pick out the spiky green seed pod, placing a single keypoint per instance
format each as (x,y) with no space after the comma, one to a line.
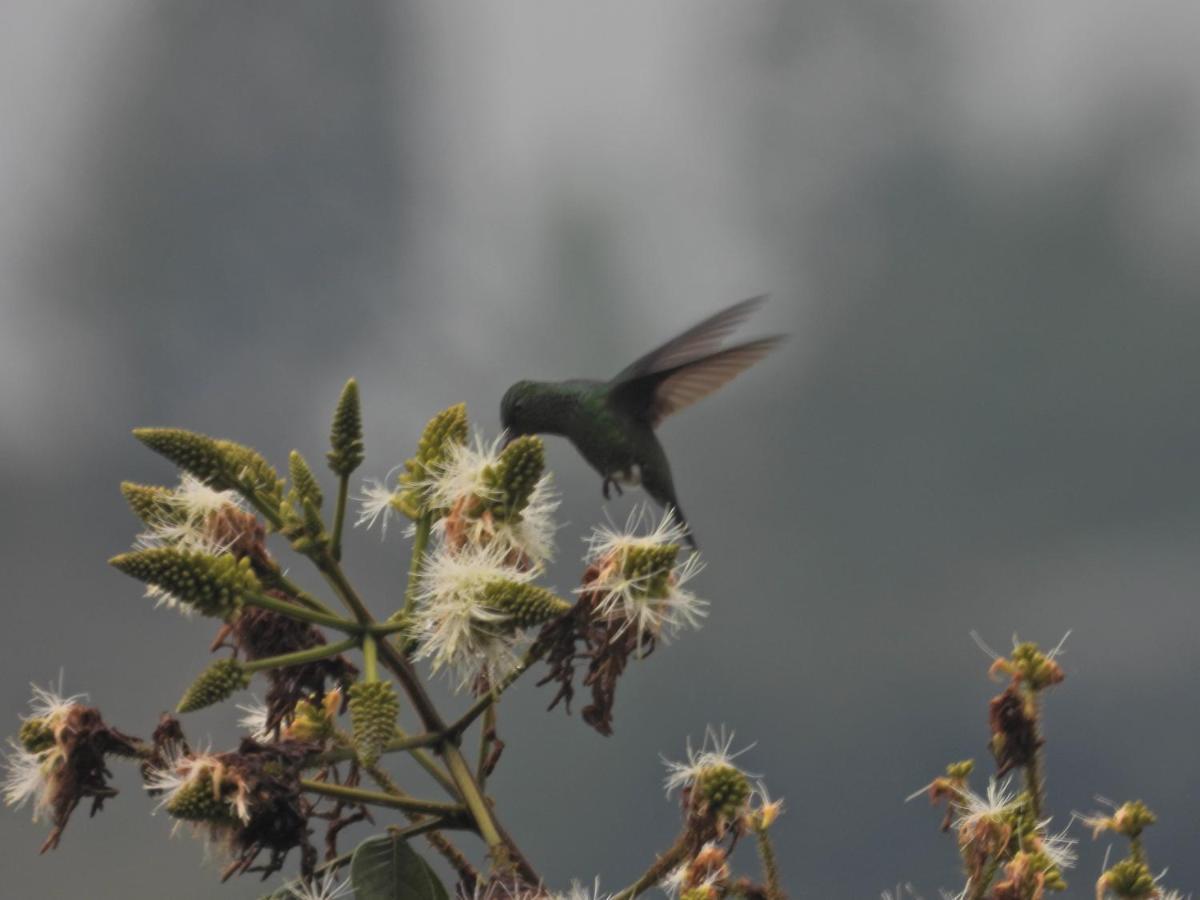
(1130,880)
(36,735)
(304,483)
(1040,862)
(373,711)
(346,433)
(149,502)
(213,585)
(218,682)
(527,605)
(724,790)
(650,568)
(444,432)
(198,801)
(516,474)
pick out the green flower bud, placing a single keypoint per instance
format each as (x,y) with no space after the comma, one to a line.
(724,790)
(442,434)
(650,567)
(218,682)
(150,503)
(304,483)
(346,433)
(516,474)
(223,465)
(198,800)
(960,771)
(527,604)
(213,585)
(36,735)
(373,711)
(1130,880)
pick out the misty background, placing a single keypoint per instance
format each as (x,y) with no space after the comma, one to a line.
(978,222)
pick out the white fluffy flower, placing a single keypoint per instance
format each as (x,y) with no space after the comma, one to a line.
(654,602)
(327,888)
(461,486)
(713,753)
(972,808)
(378,503)
(254,719)
(186,521)
(455,628)
(1059,848)
(27,776)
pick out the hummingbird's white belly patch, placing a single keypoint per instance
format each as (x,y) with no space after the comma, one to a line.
(631,477)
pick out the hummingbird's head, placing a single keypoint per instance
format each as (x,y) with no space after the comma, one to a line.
(519,410)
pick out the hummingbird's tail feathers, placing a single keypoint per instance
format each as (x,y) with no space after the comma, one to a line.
(698,341)
(695,380)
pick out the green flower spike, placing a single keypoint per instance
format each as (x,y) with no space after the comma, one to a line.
(149,502)
(198,800)
(442,434)
(373,711)
(223,465)
(516,475)
(218,682)
(346,434)
(724,790)
(36,736)
(304,483)
(649,568)
(527,605)
(1129,879)
(212,585)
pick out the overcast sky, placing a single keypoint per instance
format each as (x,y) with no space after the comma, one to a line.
(977,221)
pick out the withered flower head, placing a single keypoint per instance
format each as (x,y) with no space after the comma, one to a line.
(60,759)
(1015,740)
(243,803)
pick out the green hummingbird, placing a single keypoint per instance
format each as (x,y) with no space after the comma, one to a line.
(611,423)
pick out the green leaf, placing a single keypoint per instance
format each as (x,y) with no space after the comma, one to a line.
(386,868)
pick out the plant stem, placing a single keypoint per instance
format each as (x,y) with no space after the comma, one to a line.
(408,742)
(1034,781)
(485,741)
(303,613)
(485,702)
(374,798)
(766,852)
(290,587)
(370,658)
(312,654)
(424,526)
(656,872)
(339,517)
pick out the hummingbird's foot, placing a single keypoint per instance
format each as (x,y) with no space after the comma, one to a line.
(609,483)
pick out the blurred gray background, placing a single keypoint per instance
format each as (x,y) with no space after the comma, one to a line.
(979,222)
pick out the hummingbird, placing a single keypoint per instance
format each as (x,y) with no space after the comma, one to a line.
(611,423)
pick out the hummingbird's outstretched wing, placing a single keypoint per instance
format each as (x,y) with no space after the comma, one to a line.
(690,366)
(699,340)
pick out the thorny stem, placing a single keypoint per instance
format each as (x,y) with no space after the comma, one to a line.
(979,891)
(766,852)
(359,795)
(662,866)
(312,654)
(339,517)
(295,611)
